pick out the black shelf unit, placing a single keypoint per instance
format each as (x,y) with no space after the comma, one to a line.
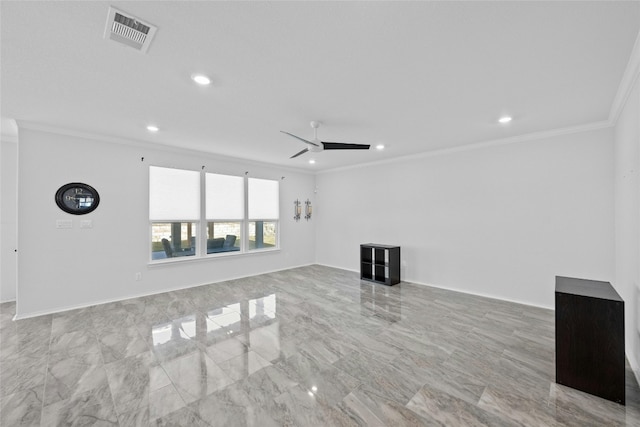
(380,263)
(590,338)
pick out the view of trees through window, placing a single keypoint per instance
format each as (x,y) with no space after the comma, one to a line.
(262,234)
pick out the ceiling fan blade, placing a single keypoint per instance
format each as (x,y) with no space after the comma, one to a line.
(299,154)
(344,146)
(301,139)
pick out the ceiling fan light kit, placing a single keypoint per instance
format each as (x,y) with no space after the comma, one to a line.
(316,145)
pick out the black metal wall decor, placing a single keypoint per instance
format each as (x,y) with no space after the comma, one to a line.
(297,209)
(308,210)
(77,198)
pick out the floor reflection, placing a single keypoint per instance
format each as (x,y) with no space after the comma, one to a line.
(309,346)
(381,301)
(175,331)
(206,351)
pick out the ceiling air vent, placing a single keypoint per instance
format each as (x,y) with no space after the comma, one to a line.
(129,30)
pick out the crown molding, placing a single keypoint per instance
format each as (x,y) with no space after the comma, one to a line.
(151,146)
(479,145)
(629,79)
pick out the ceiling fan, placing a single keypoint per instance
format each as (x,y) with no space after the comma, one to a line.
(316,146)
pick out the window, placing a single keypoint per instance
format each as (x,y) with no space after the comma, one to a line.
(239,214)
(264,211)
(174,209)
(224,212)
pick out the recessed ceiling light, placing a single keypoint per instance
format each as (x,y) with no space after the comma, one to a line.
(201,79)
(505,119)
(380,147)
(152,128)
(312,161)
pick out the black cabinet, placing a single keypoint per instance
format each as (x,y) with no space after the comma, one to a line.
(380,263)
(590,338)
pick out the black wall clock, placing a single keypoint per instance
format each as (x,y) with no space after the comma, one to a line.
(77,198)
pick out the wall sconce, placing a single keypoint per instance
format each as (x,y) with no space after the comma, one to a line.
(297,210)
(308,210)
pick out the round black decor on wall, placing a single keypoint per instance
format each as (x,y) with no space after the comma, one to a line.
(77,198)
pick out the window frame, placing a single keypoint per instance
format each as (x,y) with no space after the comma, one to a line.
(232,252)
(207,219)
(249,219)
(175,258)
(202,223)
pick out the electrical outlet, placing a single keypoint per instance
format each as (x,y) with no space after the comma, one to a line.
(138,276)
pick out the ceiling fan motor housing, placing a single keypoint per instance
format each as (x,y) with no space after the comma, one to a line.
(316,145)
(316,148)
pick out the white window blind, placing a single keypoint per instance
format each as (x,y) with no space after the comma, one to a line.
(264,199)
(224,196)
(174,194)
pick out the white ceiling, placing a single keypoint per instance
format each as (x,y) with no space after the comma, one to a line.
(415,76)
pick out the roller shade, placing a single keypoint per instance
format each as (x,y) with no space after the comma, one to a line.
(264,199)
(224,197)
(174,194)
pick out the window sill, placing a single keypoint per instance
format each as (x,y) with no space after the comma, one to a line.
(209,257)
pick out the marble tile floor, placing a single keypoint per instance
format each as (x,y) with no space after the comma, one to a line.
(311,346)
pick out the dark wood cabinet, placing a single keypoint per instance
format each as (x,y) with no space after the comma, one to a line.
(590,338)
(380,263)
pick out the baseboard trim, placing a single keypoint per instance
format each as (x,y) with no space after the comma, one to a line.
(632,362)
(99,302)
(448,288)
(478,294)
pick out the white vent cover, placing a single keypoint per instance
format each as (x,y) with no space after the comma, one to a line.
(127,29)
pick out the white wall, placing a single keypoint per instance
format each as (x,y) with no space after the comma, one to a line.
(8,227)
(627,220)
(500,221)
(64,268)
